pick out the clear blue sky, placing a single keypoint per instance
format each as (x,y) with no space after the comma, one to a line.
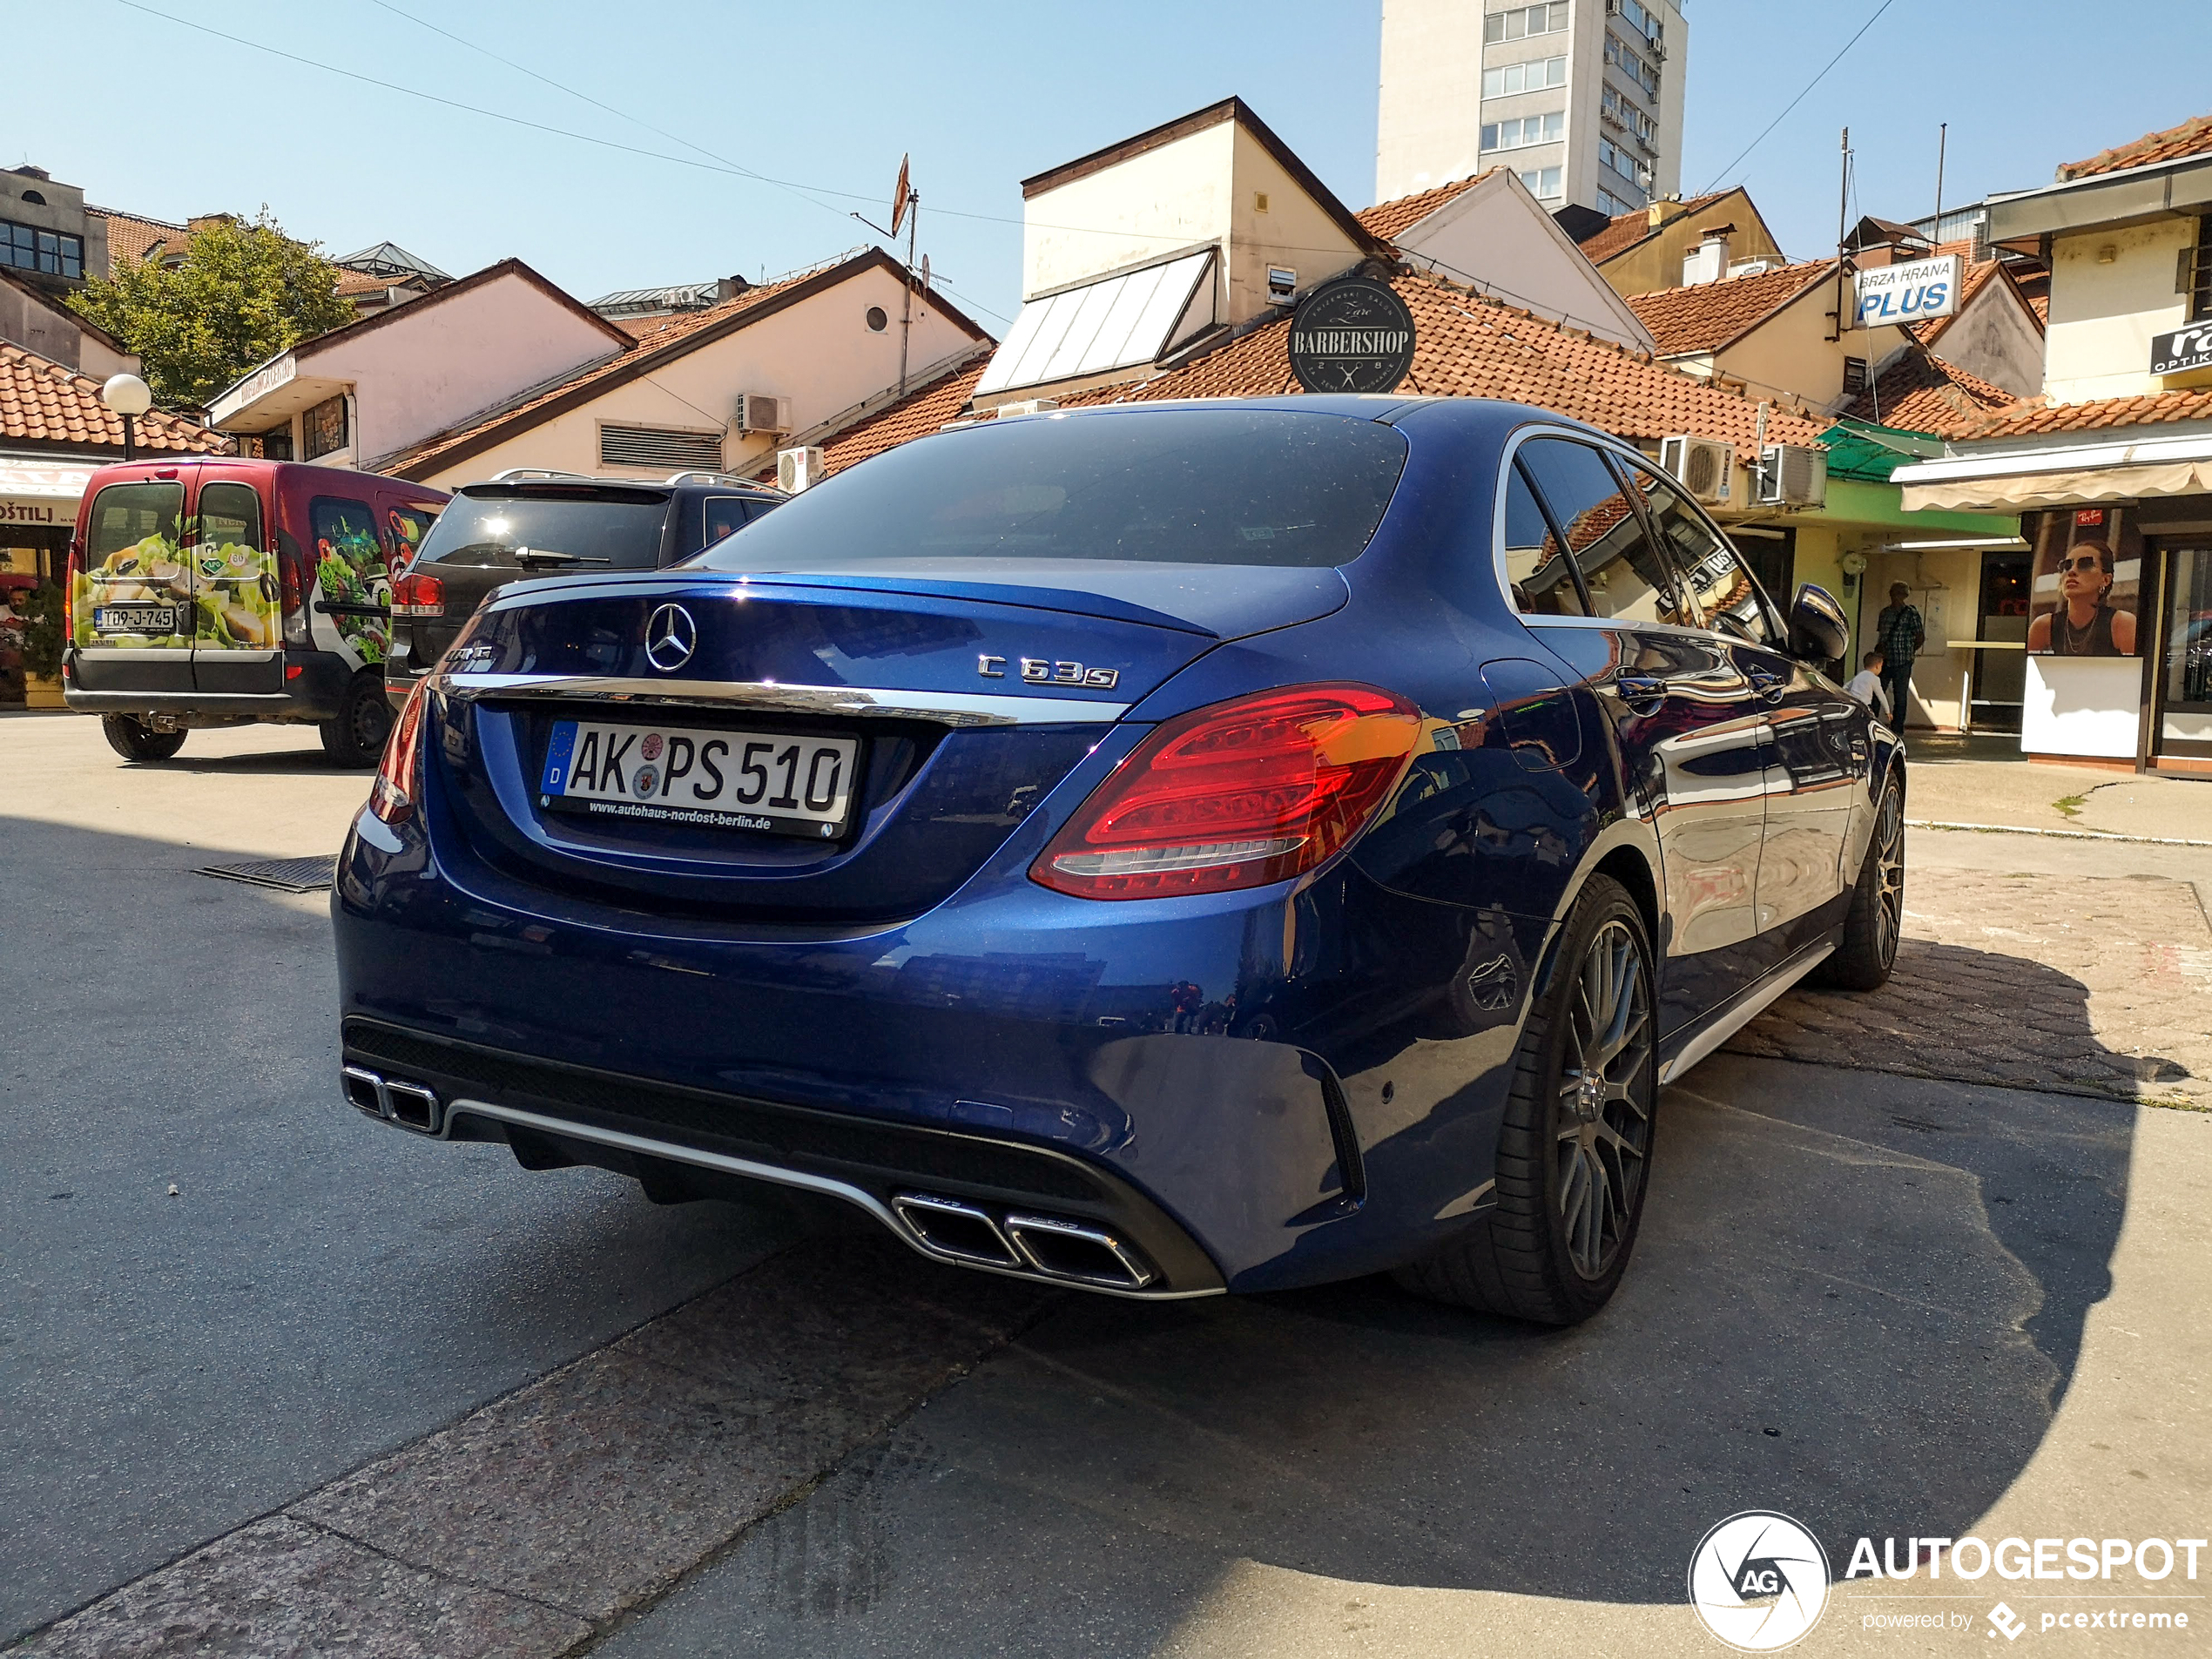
(983,93)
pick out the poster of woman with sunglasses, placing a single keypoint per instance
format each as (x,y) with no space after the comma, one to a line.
(2088,565)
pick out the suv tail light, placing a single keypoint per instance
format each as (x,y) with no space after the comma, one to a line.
(74,569)
(399,774)
(297,630)
(419,596)
(1237,795)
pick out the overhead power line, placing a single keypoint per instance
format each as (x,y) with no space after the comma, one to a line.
(1800,97)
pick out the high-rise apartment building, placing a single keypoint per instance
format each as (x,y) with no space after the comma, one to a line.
(1581,97)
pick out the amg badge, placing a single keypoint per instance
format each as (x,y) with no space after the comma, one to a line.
(1038,671)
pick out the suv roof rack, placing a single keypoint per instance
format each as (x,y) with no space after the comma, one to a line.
(729,478)
(518,475)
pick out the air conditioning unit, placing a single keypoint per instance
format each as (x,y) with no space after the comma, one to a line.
(1026,406)
(797,469)
(756,413)
(1793,475)
(1705,469)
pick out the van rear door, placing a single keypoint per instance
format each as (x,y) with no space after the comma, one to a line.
(238,607)
(134,600)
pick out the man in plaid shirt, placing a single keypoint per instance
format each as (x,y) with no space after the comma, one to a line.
(1899,635)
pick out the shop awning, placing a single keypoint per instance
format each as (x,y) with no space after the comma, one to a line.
(1116,322)
(2079,473)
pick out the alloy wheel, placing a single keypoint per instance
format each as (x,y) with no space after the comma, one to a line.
(1603,1113)
(1889,876)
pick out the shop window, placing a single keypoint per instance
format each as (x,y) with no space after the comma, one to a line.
(322,428)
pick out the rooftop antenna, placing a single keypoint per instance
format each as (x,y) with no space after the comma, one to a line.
(906,206)
(1943,138)
(1842,209)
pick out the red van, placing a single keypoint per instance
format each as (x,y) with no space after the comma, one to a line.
(223,591)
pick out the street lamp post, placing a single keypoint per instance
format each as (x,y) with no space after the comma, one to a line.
(130,397)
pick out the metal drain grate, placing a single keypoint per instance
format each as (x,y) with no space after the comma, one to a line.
(285,875)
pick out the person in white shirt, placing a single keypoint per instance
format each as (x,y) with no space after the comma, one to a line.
(1866,685)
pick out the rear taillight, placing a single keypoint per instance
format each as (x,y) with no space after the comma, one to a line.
(399,774)
(70,572)
(419,596)
(1237,795)
(296,628)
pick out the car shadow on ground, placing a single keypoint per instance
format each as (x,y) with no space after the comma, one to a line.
(1858,1299)
(281,764)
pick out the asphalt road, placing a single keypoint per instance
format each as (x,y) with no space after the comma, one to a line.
(1879,1304)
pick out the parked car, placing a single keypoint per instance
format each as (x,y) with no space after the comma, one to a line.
(1163,849)
(528,523)
(223,592)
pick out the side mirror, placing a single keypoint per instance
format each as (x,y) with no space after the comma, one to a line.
(1819,632)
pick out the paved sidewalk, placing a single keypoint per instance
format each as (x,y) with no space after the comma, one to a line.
(2095,985)
(2021,795)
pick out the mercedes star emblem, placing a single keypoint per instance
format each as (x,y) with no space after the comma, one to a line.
(671,637)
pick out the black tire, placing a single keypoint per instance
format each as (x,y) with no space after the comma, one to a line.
(1574,1151)
(1863,958)
(134,739)
(356,736)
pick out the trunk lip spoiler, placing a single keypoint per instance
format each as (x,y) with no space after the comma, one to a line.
(943,708)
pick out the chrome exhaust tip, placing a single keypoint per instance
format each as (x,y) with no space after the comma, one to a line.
(410,1106)
(958,1231)
(1079,1255)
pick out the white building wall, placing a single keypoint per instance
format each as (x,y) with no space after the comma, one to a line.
(1174,197)
(436,362)
(820,353)
(2111,290)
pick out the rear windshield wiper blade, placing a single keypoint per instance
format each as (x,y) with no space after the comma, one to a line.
(529,555)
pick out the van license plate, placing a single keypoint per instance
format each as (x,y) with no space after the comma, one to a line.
(134,619)
(766,781)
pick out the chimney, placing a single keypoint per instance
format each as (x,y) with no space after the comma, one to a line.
(205,221)
(1707,262)
(728,288)
(1656,215)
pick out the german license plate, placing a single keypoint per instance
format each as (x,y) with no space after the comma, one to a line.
(768,781)
(134,619)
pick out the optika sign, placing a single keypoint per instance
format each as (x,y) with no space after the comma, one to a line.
(1973,1559)
(2183,350)
(1918,291)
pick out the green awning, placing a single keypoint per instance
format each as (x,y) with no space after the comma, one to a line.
(1861,450)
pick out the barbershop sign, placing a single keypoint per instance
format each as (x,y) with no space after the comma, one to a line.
(1352,335)
(2183,350)
(1918,291)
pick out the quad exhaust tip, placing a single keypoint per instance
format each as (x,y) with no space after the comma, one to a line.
(1051,1247)
(409,1105)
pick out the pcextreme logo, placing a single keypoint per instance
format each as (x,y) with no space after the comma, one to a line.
(1758,1581)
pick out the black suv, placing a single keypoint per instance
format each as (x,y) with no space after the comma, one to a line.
(529,524)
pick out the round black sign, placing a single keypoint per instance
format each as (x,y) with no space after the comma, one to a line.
(1352,335)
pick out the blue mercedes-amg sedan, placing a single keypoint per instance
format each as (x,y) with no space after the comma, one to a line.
(1165,849)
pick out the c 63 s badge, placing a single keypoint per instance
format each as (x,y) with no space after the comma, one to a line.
(1038,670)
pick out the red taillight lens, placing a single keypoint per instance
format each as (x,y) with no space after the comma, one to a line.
(1237,795)
(419,596)
(70,572)
(399,774)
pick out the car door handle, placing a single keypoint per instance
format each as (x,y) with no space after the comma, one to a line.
(1641,692)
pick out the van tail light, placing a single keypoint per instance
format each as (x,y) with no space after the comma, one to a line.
(296,630)
(399,774)
(1238,795)
(73,570)
(419,596)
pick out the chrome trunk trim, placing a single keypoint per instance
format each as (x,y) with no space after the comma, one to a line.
(944,708)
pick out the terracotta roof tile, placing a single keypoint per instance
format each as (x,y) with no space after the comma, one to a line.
(43,402)
(917,415)
(1629,229)
(2192,138)
(130,237)
(1469,346)
(1710,315)
(2035,415)
(1393,218)
(1922,392)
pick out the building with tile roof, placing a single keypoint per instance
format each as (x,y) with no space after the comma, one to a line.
(718,389)
(2192,138)
(1490,232)
(47,235)
(40,320)
(1922,391)
(2114,454)
(1643,251)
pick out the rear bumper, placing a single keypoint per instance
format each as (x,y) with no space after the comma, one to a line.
(1013,1050)
(312,694)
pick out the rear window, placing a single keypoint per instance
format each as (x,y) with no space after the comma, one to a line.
(134,519)
(616,529)
(1170,486)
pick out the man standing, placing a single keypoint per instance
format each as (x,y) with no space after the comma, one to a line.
(1899,635)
